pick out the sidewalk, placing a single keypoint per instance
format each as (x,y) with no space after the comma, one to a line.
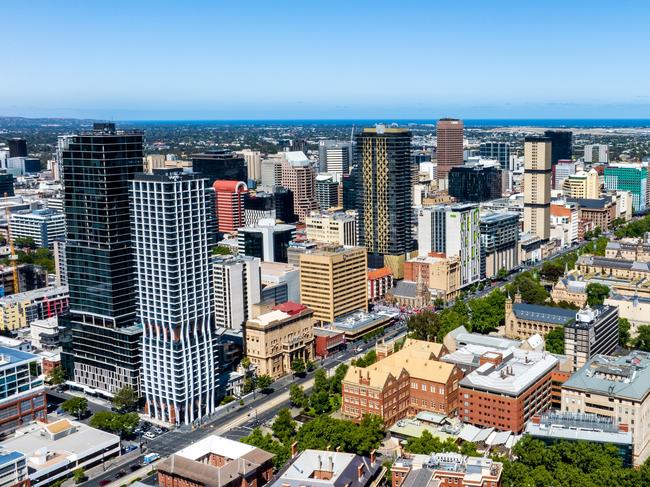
(98,470)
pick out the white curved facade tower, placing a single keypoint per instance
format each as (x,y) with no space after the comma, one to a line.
(175,301)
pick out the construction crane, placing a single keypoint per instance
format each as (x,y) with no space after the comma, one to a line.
(12,251)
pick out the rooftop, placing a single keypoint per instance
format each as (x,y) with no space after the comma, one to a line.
(543,314)
(463,337)
(13,299)
(580,426)
(361,319)
(625,377)
(519,370)
(11,356)
(334,469)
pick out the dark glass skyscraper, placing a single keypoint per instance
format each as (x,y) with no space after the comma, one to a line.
(561,144)
(220,164)
(496,150)
(104,351)
(17,147)
(384,195)
(475,183)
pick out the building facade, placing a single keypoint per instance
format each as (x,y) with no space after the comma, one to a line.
(299,176)
(338,228)
(267,240)
(104,349)
(595,153)
(175,295)
(537,186)
(220,164)
(335,157)
(499,243)
(20,310)
(453,230)
(275,339)
(237,289)
(333,282)
(449,145)
(524,320)
(562,144)
(632,178)
(594,331)
(327,191)
(229,198)
(475,183)
(499,151)
(42,226)
(384,196)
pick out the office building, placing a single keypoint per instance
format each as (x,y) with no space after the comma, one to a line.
(581,185)
(561,171)
(253,160)
(384,196)
(449,145)
(335,157)
(275,339)
(55,450)
(452,230)
(594,331)
(349,188)
(333,282)
(175,295)
(13,469)
(617,388)
(330,469)
(216,461)
(598,213)
(537,186)
(21,166)
(403,383)
(60,266)
(299,176)
(22,396)
(104,350)
(499,243)
(230,197)
(266,240)
(220,164)
(272,170)
(21,309)
(475,182)
(507,389)
(444,470)
(17,147)
(236,289)
(286,275)
(440,276)
(499,151)
(154,161)
(596,153)
(327,191)
(6,184)
(258,206)
(561,144)
(42,226)
(632,178)
(339,228)
(284,205)
(524,320)
(556,426)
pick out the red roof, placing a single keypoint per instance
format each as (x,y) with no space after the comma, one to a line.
(379,273)
(228,186)
(290,308)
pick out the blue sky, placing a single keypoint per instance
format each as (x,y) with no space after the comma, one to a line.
(142,59)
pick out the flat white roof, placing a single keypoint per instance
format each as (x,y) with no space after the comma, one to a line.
(218,445)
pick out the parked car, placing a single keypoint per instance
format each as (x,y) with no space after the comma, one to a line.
(104,482)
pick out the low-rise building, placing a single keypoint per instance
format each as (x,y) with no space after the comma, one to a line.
(570,289)
(379,282)
(45,333)
(636,250)
(612,267)
(274,273)
(216,462)
(599,211)
(22,396)
(441,275)
(635,308)
(236,281)
(277,338)
(445,470)
(42,226)
(530,248)
(405,382)
(20,310)
(594,331)
(617,388)
(330,469)
(356,325)
(53,451)
(555,426)
(328,341)
(524,320)
(507,389)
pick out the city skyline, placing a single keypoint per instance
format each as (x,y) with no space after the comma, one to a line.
(229,62)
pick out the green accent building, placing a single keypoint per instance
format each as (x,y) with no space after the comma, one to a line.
(632,178)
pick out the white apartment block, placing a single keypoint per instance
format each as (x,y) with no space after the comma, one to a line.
(43,226)
(237,288)
(175,298)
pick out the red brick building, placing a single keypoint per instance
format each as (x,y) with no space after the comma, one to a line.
(217,462)
(328,341)
(508,389)
(403,383)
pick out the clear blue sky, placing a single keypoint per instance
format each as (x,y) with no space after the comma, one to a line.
(185,59)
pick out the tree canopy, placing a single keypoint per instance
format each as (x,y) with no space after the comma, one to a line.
(75,406)
(555,340)
(125,398)
(596,293)
(325,432)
